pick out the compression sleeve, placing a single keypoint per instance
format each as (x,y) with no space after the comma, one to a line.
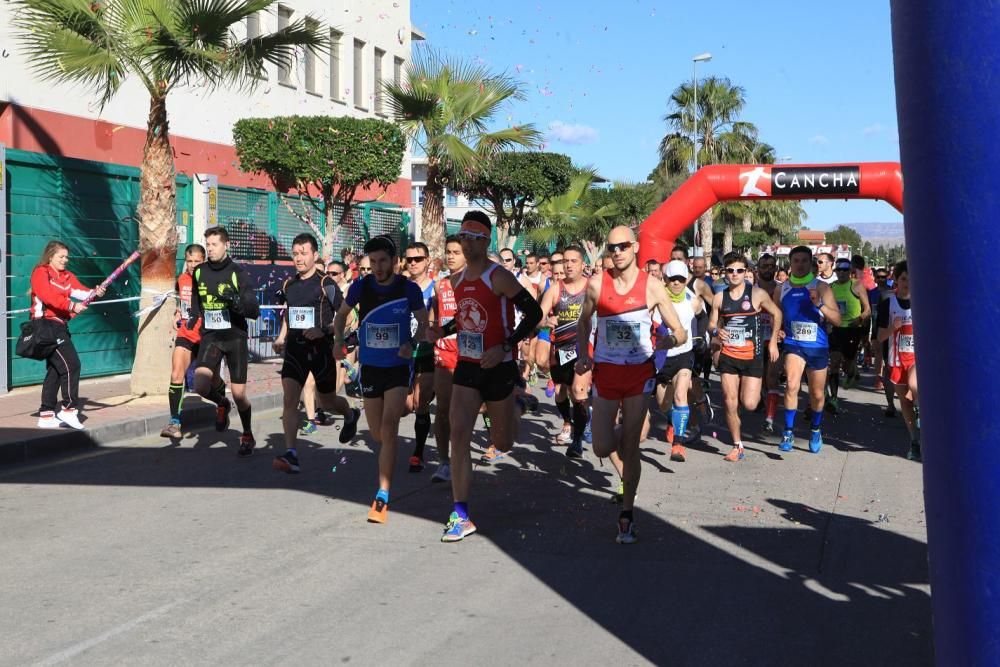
(532,312)
(248,306)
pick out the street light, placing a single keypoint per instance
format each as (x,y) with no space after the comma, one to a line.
(784,158)
(700,58)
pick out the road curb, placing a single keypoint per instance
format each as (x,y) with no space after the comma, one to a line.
(63,440)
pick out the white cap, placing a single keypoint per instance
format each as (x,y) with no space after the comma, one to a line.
(676,268)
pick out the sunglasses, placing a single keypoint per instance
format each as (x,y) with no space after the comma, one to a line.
(364,269)
(506,260)
(618,247)
(736,271)
(418,258)
(334,274)
(677,279)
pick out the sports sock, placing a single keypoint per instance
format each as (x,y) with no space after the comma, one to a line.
(580,416)
(175,395)
(382,495)
(817,418)
(422,428)
(245,418)
(218,393)
(772,404)
(462,510)
(679,417)
(563,407)
(789,419)
(738,444)
(293,451)
(834,384)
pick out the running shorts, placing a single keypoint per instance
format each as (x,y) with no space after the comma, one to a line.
(545,334)
(817,358)
(564,373)
(898,374)
(304,358)
(423,364)
(846,340)
(748,368)
(493,384)
(376,380)
(187,344)
(616,382)
(673,365)
(211,352)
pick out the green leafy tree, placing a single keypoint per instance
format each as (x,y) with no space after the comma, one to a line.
(512,182)
(579,215)
(445,106)
(845,235)
(721,137)
(326,160)
(162,44)
(747,242)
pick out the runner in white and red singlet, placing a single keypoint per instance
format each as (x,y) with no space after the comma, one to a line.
(622,360)
(445,355)
(895,325)
(485,297)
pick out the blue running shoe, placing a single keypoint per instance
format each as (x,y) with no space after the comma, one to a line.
(307,428)
(787,442)
(815,441)
(457,529)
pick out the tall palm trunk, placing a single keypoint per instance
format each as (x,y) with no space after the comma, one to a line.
(747,222)
(158,244)
(432,213)
(727,238)
(706,221)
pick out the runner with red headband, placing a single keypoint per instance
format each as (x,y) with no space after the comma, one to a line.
(486,372)
(622,361)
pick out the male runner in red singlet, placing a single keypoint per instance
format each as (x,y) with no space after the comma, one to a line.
(485,297)
(445,355)
(622,361)
(186,344)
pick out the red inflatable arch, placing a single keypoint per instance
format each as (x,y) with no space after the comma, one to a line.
(725,182)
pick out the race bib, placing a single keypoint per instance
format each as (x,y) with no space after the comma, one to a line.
(217,320)
(804,331)
(382,336)
(185,310)
(738,336)
(301,317)
(470,345)
(566,355)
(621,335)
(905,343)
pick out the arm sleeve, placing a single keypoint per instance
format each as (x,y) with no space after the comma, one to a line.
(353,294)
(194,311)
(526,303)
(50,295)
(249,307)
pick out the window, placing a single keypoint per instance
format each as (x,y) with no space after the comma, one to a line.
(335,93)
(359,74)
(311,83)
(379,97)
(417,195)
(450,198)
(284,70)
(397,71)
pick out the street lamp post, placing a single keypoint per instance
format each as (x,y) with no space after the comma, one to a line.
(700,58)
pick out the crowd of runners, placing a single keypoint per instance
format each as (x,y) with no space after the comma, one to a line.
(470,334)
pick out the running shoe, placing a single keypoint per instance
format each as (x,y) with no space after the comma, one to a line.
(172,430)
(457,528)
(442,474)
(308,427)
(350,427)
(734,455)
(247,443)
(492,455)
(626,531)
(890,412)
(848,381)
(287,462)
(815,441)
(879,386)
(48,420)
(379,513)
(677,453)
(832,406)
(222,416)
(565,435)
(575,450)
(787,442)
(691,435)
(321,417)
(619,493)
(531,402)
(550,389)
(69,417)
(768,427)
(914,453)
(416,464)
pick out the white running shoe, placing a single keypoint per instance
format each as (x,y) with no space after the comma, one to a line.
(47,420)
(565,435)
(69,417)
(442,474)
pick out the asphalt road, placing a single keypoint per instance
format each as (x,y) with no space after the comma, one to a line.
(147,553)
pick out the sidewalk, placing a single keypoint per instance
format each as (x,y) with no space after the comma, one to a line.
(112,414)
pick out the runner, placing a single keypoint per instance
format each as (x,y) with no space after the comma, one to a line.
(386,302)
(882,381)
(186,343)
(223,298)
(701,351)
(622,361)
(741,359)
(673,380)
(824,267)
(485,296)
(845,338)
(561,304)
(446,355)
(896,327)
(311,298)
(417,261)
(766,280)
(805,301)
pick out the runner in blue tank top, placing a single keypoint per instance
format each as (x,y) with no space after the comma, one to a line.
(806,304)
(385,303)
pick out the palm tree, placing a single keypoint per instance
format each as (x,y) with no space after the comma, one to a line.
(574,216)
(445,106)
(734,213)
(162,44)
(721,137)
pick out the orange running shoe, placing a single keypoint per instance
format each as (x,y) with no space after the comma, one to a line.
(736,454)
(492,455)
(677,453)
(379,513)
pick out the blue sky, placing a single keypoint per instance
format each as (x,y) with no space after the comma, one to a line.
(598,75)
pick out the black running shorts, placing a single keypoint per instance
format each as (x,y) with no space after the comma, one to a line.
(184,343)
(211,352)
(846,340)
(376,380)
(749,368)
(423,364)
(302,358)
(494,384)
(673,365)
(564,374)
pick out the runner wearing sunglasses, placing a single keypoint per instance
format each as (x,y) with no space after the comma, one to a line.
(845,338)
(741,357)
(417,262)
